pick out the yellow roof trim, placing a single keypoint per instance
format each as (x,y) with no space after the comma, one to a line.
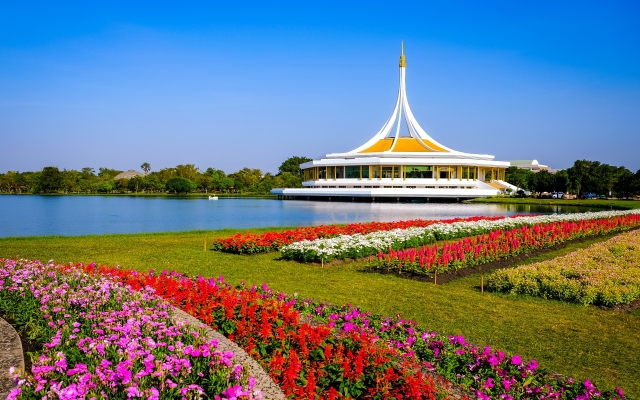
(403,145)
(380,146)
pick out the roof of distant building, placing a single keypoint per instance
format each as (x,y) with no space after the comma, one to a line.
(523,162)
(128,174)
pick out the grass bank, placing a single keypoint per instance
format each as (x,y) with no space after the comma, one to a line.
(583,342)
(604,204)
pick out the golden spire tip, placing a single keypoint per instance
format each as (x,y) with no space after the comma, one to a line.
(403,62)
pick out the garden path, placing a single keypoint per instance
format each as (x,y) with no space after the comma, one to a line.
(10,356)
(270,390)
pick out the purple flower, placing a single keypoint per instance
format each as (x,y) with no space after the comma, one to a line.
(516,360)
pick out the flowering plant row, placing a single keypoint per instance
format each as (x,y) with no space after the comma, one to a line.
(494,245)
(250,243)
(606,273)
(103,340)
(360,245)
(348,353)
(308,361)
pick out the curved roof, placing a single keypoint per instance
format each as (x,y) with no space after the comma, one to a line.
(388,142)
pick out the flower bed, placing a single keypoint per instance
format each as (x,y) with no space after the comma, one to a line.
(606,273)
(250,243)
(494,245)
(307,361)
(359,245)
(347,353)
(103,340)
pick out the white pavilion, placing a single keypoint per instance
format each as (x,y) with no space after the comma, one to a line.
(397,167)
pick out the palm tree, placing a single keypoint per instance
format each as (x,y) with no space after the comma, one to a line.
(146,167)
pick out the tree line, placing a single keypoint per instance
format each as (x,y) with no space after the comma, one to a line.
(184,178)
(583,177)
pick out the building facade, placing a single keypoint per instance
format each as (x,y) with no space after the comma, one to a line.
(390,165)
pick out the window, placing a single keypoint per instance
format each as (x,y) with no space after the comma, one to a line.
(419,172)
(387,172)
(376,171)
(352,172)
(365,172)
(339,172)
(322,173)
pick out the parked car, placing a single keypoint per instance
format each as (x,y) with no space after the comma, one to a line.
(589,195)
(557,195)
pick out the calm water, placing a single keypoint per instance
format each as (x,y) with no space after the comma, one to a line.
(82,215)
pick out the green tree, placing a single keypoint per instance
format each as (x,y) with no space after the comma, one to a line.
(180,185)
(107,174)
(624,184)
(188,171)
(288,180)
(292,165)
(246,178)
(541,181)
(50,180)
(104,187)
(69,181)
(152,183)
(518,177)
(635,183)
(165,174)
(146,167)
(135,184)
(560,181)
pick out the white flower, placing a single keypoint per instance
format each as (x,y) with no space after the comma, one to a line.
(341,246)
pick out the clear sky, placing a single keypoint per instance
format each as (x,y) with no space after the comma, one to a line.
(247,84)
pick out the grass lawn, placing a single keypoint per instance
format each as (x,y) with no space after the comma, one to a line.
(582,342)
(604,204)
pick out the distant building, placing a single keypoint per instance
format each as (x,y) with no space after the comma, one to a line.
(128,174)
(532,165)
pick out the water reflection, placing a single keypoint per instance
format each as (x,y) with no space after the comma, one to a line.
(81,215)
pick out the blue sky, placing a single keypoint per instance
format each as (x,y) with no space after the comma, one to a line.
(247,84)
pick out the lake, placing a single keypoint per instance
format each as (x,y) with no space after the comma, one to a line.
(31,215)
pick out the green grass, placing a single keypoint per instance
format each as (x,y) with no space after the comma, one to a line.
(604,204)
(582,342)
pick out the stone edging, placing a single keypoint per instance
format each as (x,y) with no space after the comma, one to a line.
(10,356)
(270,390)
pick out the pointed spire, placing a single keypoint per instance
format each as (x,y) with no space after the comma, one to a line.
(403,62)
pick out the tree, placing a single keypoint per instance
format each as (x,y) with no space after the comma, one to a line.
(246,178)
(560,181)
(292,165)
(624,184)
(635,183)
(135,184)
(151,182)
(104,186)
(180,185)
(107,174)
(518,177)
(188,171)
(165,174)
(146,167)
(50,180)
(541,181)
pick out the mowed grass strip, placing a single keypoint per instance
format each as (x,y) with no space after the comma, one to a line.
(582,342)
(599,203)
